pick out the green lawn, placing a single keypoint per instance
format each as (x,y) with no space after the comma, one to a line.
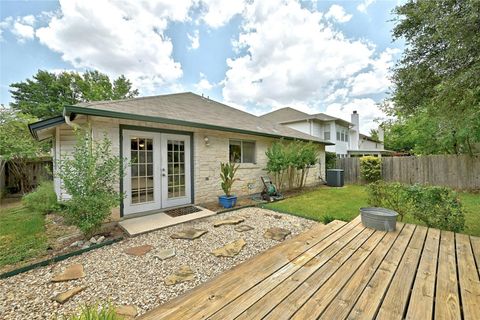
(22,235)
(344,203)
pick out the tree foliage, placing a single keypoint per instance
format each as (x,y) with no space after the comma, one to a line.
(291,161)
(17,146)
(47,93)
(436,82)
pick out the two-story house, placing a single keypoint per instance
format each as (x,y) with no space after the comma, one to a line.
(349,142)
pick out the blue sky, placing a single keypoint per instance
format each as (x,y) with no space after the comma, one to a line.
(316,56)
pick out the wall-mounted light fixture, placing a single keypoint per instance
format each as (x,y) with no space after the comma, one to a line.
(207,141)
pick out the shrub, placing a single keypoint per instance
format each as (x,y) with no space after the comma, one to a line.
(43,199)
(95,312)
(330,160)
(89,175)
(389,195)
(371,168)
(437,207)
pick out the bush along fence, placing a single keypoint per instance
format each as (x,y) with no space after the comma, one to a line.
(436,207)
(460,172)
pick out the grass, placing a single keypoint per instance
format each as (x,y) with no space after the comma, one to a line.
(327,204)
(22,235)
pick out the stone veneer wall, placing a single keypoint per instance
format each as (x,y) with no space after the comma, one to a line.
(207,158)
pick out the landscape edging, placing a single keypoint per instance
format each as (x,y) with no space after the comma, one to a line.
(57,258)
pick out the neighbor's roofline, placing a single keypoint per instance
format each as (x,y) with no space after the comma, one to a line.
(71,110)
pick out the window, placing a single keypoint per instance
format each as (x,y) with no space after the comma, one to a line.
(242,151)
(338,135)
(346,136)
(342,135)
(326,135)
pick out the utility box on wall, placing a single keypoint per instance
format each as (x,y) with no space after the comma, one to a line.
(335,177)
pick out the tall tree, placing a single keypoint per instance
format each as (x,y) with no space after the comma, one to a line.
(436,81)
(47,93)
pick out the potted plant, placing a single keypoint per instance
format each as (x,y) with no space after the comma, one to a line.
(227,174)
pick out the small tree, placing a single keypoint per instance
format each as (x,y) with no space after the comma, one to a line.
(291,160)
(371,168)
(89,175)
(17,146)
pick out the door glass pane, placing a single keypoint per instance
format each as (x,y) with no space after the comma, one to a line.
(176,168)
(141,170)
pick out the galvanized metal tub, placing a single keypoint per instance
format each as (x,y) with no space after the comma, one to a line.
(379,218)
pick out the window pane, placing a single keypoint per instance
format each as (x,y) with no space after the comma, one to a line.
(235,153)
(326,135)
(338,135)
(248,152)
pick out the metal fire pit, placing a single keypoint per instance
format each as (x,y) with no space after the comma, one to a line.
(379,218)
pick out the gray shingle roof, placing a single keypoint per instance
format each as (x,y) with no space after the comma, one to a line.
(198,111)
(289,115)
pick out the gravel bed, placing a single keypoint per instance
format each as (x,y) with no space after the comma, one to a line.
(112,275)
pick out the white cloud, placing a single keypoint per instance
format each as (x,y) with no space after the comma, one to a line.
(118,37)
(22,31)
(362,7)
(291,56)
(217,13)
(203,84)
(338,14)
(377,79)
(367,109)
(21,27)
(194,40)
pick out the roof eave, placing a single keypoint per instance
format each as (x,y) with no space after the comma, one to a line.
(71,110)
(38,126)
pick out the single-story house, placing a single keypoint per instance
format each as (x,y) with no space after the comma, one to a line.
(176,142)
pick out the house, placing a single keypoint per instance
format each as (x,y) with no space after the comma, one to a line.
(174,145)
(344,135)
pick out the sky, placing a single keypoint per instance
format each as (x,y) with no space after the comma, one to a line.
(258,56)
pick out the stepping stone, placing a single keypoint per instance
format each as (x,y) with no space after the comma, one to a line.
(65,296)
(278,234)
(126,311)
(232,220)
(139,251)
(183,274)
(188,234)
(165,254)
(73,272)
(230,250)
(243,228)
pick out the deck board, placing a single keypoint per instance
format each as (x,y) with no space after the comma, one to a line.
(396,299)
(447,300)
(345,271)
(423,293)
(468,278)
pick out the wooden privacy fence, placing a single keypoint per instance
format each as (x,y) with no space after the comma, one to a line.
(461,172)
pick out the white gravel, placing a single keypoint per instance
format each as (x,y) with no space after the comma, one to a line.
(113,276)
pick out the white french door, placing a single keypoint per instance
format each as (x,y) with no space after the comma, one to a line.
(176,175)
(158,171)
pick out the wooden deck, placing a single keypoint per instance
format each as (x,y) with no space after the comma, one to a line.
(345,271)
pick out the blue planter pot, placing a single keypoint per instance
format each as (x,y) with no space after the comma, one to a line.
(227,202)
